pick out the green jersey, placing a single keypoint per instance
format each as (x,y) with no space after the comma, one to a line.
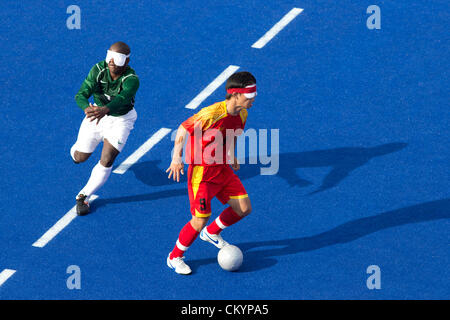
(117,95)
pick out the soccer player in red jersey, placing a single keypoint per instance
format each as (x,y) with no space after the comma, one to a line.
(210,155)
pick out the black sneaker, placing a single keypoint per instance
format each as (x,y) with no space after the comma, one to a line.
(82,205)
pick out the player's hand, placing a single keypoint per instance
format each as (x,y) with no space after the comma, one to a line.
(176,167)
(235,165)
(97,113)
(88,110)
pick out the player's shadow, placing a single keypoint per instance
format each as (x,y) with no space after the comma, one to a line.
(150,173)
(261,254)
(139,198)
(153,173)
(342,162)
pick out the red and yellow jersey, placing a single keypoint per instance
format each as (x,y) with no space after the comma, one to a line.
(211,134)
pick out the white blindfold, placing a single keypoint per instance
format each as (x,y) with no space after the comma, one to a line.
(119,58)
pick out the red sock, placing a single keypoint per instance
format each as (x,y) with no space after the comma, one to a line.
(187,236)
(226,219)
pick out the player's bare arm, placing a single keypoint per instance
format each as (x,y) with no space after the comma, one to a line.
(235,165)
(177,165)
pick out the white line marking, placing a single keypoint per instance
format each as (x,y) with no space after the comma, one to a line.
(58,226)
(217,82)
(132,159)
(5,275)
(277,28)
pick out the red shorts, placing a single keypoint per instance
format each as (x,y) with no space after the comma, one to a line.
(207,182)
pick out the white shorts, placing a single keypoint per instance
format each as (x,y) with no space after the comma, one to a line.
(115,129)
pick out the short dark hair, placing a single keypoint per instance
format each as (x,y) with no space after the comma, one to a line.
(239,80)
(121,47)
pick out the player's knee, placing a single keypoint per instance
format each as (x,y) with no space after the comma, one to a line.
(245,209)
(199,223)
(79,157)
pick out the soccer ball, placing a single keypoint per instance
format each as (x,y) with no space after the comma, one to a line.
(230,258)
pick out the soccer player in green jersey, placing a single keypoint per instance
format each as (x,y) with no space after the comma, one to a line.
(113,85)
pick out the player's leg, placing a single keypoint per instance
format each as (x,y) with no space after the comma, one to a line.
(89,136)
(201,211)
(186,238)
(240,205)
(238,209)
(235,195)
(101,171)
(87,141)
(200,195)
(198,223)
(187,235)
(109,154)
(115,132)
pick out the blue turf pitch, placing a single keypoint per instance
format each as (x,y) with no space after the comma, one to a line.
(363,119)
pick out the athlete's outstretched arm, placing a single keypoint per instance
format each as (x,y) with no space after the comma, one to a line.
(177,165)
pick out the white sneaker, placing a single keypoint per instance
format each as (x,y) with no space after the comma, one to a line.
(215,239)
(178,265)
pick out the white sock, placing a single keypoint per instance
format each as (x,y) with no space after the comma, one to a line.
(99,175)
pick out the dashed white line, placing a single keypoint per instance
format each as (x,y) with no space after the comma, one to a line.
(217,82)
(143,149)
(58,226)
(277,28)
(5,275)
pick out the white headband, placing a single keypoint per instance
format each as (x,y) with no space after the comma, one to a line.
(249,91)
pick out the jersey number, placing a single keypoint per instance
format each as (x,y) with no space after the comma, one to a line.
(202,204)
